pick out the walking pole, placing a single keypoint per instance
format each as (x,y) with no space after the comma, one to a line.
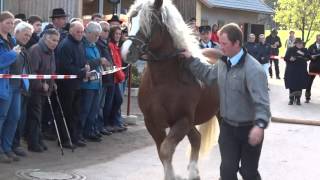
(55,124)
(64,119)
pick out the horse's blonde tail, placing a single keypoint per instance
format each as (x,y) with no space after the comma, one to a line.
(209,135)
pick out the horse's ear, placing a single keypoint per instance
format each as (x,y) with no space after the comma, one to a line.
(157,4)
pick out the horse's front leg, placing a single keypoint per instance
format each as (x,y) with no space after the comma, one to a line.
(167,149)
(195,140)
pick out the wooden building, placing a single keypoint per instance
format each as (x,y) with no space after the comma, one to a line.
(80,8)
(250,14)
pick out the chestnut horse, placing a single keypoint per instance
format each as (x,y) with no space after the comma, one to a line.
(169,96)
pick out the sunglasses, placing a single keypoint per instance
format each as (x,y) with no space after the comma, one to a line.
(106,30)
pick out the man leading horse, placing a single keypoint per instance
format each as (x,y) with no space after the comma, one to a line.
(244,104)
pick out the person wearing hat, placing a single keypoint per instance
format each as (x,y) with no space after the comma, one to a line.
(205,38)
(296,73)
(115,21)
(314,66)
(59,21)
(274,40)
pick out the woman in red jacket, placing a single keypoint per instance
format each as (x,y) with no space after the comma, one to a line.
(214,34)
(114,118)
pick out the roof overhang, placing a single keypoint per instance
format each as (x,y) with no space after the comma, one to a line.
(256,6)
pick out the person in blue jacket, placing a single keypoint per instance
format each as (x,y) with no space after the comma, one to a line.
(8,56)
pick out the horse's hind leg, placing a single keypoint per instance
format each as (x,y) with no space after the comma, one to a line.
(195,141)
(175,135)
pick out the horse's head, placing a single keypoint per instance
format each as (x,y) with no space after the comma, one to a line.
(147,32)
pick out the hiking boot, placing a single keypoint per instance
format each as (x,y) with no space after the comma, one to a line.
(19,152)
(4,158)
(298,102)
(290,102)
(35,148)
(12,156)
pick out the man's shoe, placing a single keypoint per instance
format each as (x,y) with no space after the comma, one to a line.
(298,102)
(290,102)
(49,136)
(278,77)
(80,143)
(43,145)
(67,145)
(110,129)
(5,159)
(12,156)
(105,132)
(93,138)
(19,152)
(120,128)
(36,148)
(307,101)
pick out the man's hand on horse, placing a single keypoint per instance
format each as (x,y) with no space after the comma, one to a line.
(212,54)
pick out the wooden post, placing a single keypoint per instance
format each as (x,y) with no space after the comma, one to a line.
(296,121)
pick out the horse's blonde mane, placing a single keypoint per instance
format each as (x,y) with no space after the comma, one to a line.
(181,33)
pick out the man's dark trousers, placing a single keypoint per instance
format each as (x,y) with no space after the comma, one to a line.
(70,99)
(234,148)
(276,67)
(308,90)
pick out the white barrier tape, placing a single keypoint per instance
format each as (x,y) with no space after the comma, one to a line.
(276,57)
(33,76)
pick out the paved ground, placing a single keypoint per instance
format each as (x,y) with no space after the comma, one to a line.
(291,152)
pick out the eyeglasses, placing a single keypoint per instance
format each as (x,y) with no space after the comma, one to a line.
(106,30)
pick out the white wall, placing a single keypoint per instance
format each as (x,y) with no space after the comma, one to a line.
(213,15)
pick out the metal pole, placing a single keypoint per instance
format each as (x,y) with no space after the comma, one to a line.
(2,4)
(129,91)
(64,120)
(101,4)
(55,124)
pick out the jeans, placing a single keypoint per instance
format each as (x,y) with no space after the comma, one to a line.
(266,67)
(100,123)
(10,111)
(21,130)
(89,110)
(113,101)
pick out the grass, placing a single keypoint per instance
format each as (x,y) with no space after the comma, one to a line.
(284,34)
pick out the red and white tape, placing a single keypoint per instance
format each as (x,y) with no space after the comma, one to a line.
(276,57)
(34,76)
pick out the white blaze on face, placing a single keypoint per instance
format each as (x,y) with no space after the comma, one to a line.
(135,26)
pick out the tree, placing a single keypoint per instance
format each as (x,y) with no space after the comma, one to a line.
(303,15)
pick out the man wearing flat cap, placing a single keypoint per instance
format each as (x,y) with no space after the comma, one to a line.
(205,38)
(59,20)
